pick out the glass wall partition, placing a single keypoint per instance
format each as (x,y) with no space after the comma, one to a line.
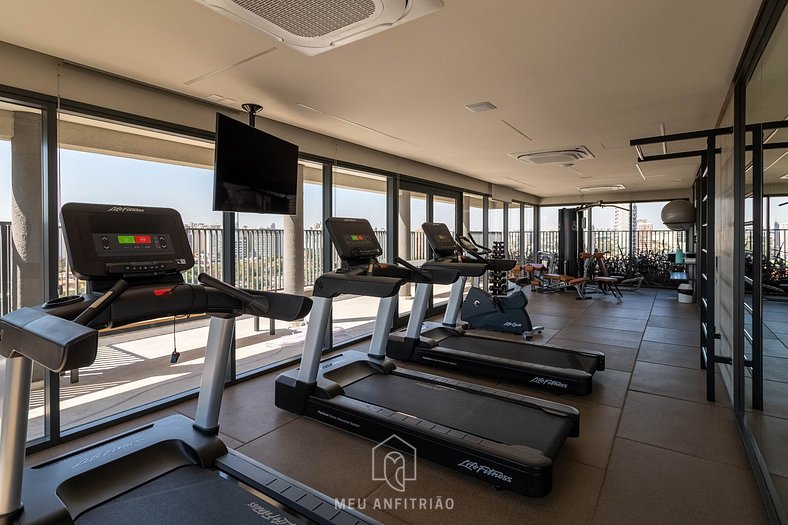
(473,216)
(358,194)
(113,163)
(22,264)
(763,393)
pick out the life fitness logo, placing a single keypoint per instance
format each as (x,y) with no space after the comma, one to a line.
(390,465)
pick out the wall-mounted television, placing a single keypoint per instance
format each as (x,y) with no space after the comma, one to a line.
(253,171)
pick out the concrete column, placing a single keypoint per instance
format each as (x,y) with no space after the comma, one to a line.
(293,266)
(27,227)
(403,238)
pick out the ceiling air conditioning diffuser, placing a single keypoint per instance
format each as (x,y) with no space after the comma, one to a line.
(315,26)
(556,156)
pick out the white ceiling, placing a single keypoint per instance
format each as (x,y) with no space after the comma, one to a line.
(565,73)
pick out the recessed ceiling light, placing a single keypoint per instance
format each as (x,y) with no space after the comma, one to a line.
(596,189)
(480,106)
(784,176)
(640,171)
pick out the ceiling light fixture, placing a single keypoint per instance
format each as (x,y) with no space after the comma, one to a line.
(662,132)
(478,107)
(641,172)
(599,189)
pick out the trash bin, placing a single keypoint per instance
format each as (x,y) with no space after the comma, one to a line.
(685,293)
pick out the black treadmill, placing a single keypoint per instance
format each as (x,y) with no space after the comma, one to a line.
(507,439)
(174,470)
(450,345)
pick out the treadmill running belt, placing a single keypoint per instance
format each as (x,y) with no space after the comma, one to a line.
(192,495)
(517,351)
(483,416)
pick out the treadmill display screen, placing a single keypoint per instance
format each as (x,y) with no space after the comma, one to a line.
(353,238)
(113,244)
(439,237)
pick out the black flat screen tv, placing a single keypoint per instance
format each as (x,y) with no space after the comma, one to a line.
(253,171)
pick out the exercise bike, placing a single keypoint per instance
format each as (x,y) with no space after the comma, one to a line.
(504,309)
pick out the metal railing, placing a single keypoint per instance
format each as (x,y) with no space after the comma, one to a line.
(260,261)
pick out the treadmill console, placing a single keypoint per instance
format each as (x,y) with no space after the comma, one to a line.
(107,242)
(354,239)
(440,238)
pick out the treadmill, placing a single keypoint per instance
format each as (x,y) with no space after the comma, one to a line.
(174,470)
(504,356)
(506,439)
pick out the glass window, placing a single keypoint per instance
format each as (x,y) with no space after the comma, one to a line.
(610,226)
(269,257)
(514,235)
(22,231)
(650,235)
(528,233)
(113,163)
(495,233)
(548,228)
(444,209)
(363,195)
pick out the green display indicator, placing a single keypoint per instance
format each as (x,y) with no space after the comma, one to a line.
(126,239)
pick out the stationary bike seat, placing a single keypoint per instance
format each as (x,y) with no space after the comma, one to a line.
(522,281)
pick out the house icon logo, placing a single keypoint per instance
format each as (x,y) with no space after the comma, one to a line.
(390,465)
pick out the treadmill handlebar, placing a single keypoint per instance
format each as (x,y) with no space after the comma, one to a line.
(356,281)
(102,303)
(475,251)
(253,304)
(463,267)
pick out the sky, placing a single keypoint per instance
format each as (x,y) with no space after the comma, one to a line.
(91,177)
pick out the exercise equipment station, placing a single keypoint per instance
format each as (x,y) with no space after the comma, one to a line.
(450,345)
(175,470)
(500,309)
(507,439)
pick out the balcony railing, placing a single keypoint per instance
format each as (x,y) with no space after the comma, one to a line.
(260,256)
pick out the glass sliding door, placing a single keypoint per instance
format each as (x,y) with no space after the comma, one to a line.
(514,234)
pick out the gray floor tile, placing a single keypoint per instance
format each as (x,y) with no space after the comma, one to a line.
(618,323)
(602,309)
(248,409)
(684,311)
(649,485)
(549,321)
(597,431)
(775,397)
(701,430)
(669,335)
(781,485)
(328,459)
(677,323)
(775,369)
(610,336)
(676,382)
(669,354)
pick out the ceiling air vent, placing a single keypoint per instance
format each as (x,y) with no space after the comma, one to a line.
(315,26)
(557,156)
